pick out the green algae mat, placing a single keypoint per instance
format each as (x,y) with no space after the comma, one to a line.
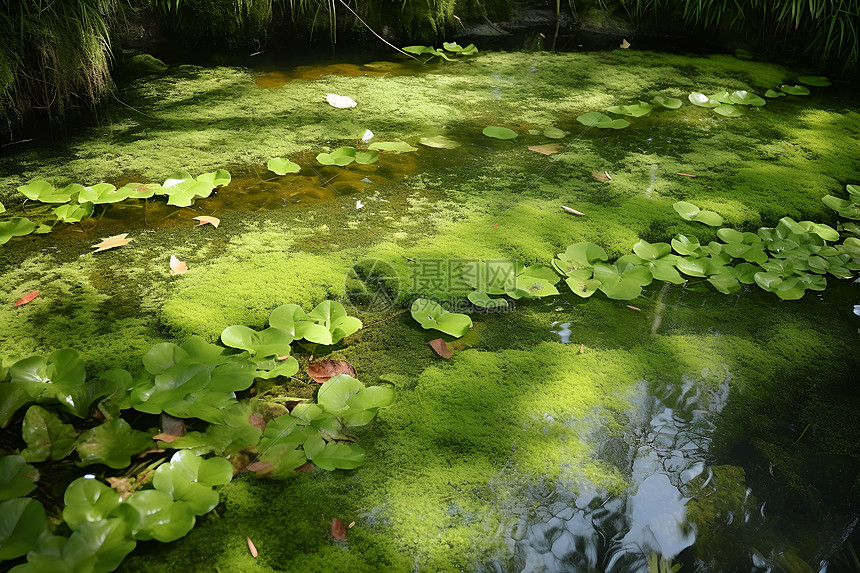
(637,370)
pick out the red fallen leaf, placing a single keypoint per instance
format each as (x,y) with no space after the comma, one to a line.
(607,57)
(582,349)
(284,357)
(441,348)
(260,467)
(633,307)
(26,298)
(686,174)
(251,547)
(306,468)
(338,531)
(495,225)
(257,421)
(325,369)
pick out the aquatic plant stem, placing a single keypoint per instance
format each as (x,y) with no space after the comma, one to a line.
(345,5)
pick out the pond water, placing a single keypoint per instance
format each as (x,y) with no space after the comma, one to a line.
(714,431)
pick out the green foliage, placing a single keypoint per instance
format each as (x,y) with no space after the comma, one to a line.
(635,110)
(46,435)
(449,48)
(43,191)
(343,156)
(15,227)
(729,110)
(430,314)
(321,429)
(666,102)
(282,166)
(269,342)
(499,132)
(22,523)
(112,444)
(601,121)
(743,97)
(328,323)
(17,477)
(73,213)
(701,100)
(848,208)
(690,212)
(796,90)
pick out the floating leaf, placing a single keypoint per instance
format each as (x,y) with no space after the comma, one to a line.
(178,267)
(546,149)
(141,190)
(430,314)
(721,97)
(22,523)
(728,110)
(635,110)
(152,514)
(112,443)
(43,191)
(282,166)
(555,133)
(666,102)
(341,156)
(701,100)
(112,242)
(743,97)
(686,210)
(482,300)
(601,121)
(773,94)
(797,90)
(102,193)
(326,369)
(26,298)
(398,146)
(17,477)
(499,132)
(88,500)
(583,287)
(340,101)
(46,435)
(269,342)
(441,348)
(366,157)
(337,455)
(15,227)
(73,213)
(817,81)
(203,220)
(709,218)
(439,142)
(189,478)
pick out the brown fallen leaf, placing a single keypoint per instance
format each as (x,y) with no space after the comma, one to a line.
(338,531)
(178,267)
(573,211)
(582,349)
(636,308)
(325,369)
(26,298)
(260,467)
(214,221)
(164,437)
(686,174)
(252,548)
(112,242)
(282,358)
(546,149)
(625,44)
(306,468)
(601,176)
(441,348)
(351,524)
(257,421)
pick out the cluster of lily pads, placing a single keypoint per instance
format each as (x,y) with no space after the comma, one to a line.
(77,202)
(195,380)
(787,260)
(452,48)
(723,103)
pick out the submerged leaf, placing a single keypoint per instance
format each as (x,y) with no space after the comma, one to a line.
(178,267)
(546,149)
(338,530)
(817,81)
(555,133)
(439,142)
(441,348)
(634,110)
(398,146)
(773,94)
